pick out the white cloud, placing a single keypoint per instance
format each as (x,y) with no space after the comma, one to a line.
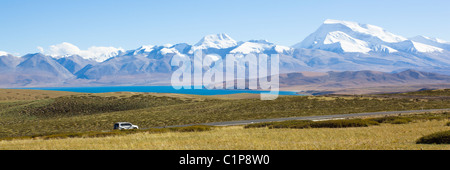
(95,53)
(41,50)
(2,53)
(60,50)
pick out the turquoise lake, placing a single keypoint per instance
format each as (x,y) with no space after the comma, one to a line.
(155,89)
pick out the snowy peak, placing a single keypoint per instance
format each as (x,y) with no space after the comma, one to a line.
(346,42)
(362,30)
(432,41)
(420,47)
(423,39)
(249,47)
(346,36)
(413,47)
(164,49)
(261,42)
(145,49)
(100,54)
(218,41)
(259,46)
(384,49)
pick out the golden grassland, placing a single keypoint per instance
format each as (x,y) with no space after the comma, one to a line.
(26,94)
(382,137)
(39,112)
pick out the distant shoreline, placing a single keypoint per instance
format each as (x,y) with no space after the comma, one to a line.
(155,89)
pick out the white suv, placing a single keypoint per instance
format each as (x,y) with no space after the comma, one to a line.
(125,125)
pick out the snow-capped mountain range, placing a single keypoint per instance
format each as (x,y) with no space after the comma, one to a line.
(345,36)
(334,46)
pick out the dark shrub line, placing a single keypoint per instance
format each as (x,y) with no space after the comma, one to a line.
(392,120)
(301,124)
(435,138)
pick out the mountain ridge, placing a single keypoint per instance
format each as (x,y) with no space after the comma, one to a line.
(361,82)
(334,46)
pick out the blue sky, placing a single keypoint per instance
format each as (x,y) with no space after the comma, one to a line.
(27,24)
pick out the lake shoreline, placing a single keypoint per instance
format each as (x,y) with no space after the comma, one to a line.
(158,89)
